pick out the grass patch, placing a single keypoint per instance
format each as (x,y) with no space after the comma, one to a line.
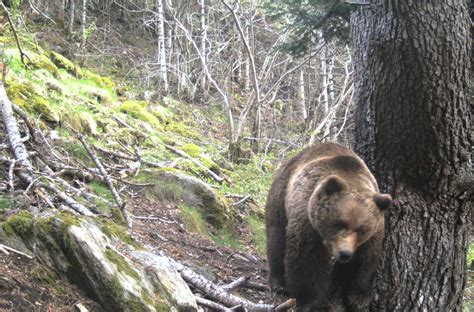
(101,190)
(227,238)
(257,227)
(194,220)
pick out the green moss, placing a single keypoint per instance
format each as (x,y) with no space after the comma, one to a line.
(138,109)
(5,202)
(41,61)
(101,95)
(82,121)
(45,224)
(68,219)
(194,220)
(105,82)
(62,62)
(121,263)
(114,230)
(182,129)
(146,297)
(7,229)
(162,113)
(115,290)
(117,216)
(101,190)
(20,224)
(192,150)
(257,227)
(42,107)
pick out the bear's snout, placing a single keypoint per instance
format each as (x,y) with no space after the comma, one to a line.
(344,247)
(344,256)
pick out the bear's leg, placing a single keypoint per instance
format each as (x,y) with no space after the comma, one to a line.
(276,244)
(358,290)
(307,272)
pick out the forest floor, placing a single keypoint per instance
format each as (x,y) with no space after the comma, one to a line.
(26,285)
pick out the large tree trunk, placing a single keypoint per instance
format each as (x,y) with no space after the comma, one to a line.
(411,62)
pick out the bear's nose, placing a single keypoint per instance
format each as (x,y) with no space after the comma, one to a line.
(345,256)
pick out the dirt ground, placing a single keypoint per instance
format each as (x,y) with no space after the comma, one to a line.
(164,232)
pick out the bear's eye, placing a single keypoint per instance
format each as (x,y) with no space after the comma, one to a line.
(339,225)
(361,231)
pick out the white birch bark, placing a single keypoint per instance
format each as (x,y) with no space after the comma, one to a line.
(202,7)
(83,22)
(301,96)
(161,46)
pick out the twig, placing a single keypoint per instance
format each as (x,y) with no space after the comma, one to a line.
(22,54)
(15,251)
(10,174)
(197,162)
(211,304)
(4,250)
(243,200)
(118,200)
(128,157)
(20,112)
(35,9)
(285,306)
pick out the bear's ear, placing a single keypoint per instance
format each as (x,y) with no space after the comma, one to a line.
(332,185)
(383,201)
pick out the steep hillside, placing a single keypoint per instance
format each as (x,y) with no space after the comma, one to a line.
(167,161)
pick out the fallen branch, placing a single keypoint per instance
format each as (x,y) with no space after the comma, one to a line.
(236,284)
(197,162)
(15,251)
(108,180)
(128,157)
(215,292)
(211,304)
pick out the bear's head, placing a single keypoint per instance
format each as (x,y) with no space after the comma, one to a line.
(346,219)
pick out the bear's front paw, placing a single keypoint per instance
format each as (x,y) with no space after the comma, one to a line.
(277,286)
(279,290)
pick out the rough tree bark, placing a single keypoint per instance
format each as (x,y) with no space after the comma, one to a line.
(411,61)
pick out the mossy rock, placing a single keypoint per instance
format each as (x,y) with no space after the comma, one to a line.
(82,122)
(175,185)
(107,124)
(138,110)
(161,112)
(192,150)
(41,61)
(42,107)
(182,129)
(101,95)
(54,85)
(62,62)
(105,82)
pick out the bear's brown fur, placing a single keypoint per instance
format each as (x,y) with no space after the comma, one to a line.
(324,205)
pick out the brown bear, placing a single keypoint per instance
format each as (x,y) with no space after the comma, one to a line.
(324,220)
